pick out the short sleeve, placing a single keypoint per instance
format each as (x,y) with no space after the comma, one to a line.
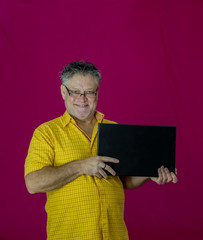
(40,152)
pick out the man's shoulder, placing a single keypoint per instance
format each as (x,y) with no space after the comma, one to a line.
(50,125)
(108,121)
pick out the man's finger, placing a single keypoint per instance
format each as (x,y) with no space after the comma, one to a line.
(168,174)
(160,177)
(110,170)
(103,174)
(174,177)
(109,159)
(98,175)
(102,164)
(164,176)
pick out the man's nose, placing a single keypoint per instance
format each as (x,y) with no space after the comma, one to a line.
(83,97)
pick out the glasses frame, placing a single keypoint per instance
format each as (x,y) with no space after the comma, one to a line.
(80,94)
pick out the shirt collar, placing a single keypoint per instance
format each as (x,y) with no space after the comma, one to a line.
(66,118)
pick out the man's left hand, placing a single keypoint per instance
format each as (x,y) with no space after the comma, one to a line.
(165,176)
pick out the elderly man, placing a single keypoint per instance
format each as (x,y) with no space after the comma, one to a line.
(83,202)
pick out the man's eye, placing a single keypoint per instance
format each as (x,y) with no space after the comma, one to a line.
(76,92)
(90,92)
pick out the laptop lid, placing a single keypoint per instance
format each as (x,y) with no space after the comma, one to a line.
(141,149)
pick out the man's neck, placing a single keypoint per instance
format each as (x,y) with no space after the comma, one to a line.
(86,122)
(86,125)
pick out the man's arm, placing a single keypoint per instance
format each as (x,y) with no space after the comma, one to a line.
(50,178)
(133,182)
(164,176)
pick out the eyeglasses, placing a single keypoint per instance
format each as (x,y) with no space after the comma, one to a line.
(78,94)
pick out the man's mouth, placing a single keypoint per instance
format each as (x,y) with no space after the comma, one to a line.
(81,106)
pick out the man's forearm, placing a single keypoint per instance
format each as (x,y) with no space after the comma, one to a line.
(134,182)
(50,178)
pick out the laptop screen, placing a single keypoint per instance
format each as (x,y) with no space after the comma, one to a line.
(141,149)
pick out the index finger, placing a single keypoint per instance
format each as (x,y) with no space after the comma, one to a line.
(174,177)
(109,159)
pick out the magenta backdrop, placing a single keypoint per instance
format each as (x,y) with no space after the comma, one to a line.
(150,54)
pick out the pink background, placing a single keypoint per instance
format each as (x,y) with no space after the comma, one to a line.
(150,54)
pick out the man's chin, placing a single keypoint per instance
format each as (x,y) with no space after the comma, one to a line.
(82,116)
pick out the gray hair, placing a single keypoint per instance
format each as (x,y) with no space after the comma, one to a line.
(80,67)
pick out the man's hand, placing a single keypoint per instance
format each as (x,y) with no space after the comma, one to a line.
(96,166)
(165,176)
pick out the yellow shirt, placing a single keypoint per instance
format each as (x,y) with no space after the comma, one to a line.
(87,208)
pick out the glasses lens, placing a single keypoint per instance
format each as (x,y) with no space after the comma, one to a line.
(78,94)
(90,94)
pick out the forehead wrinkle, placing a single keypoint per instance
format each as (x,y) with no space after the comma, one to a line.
(82,83)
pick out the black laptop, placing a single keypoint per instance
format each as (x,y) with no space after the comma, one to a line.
(141,149)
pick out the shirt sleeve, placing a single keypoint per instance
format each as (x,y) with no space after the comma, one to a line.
(40,152)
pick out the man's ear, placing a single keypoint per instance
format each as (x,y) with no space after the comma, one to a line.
(63,92)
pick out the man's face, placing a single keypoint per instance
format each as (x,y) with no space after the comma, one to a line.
(80,107)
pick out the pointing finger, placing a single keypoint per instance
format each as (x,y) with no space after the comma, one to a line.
(109,159)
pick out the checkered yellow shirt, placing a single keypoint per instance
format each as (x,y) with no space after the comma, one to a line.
(88,208)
